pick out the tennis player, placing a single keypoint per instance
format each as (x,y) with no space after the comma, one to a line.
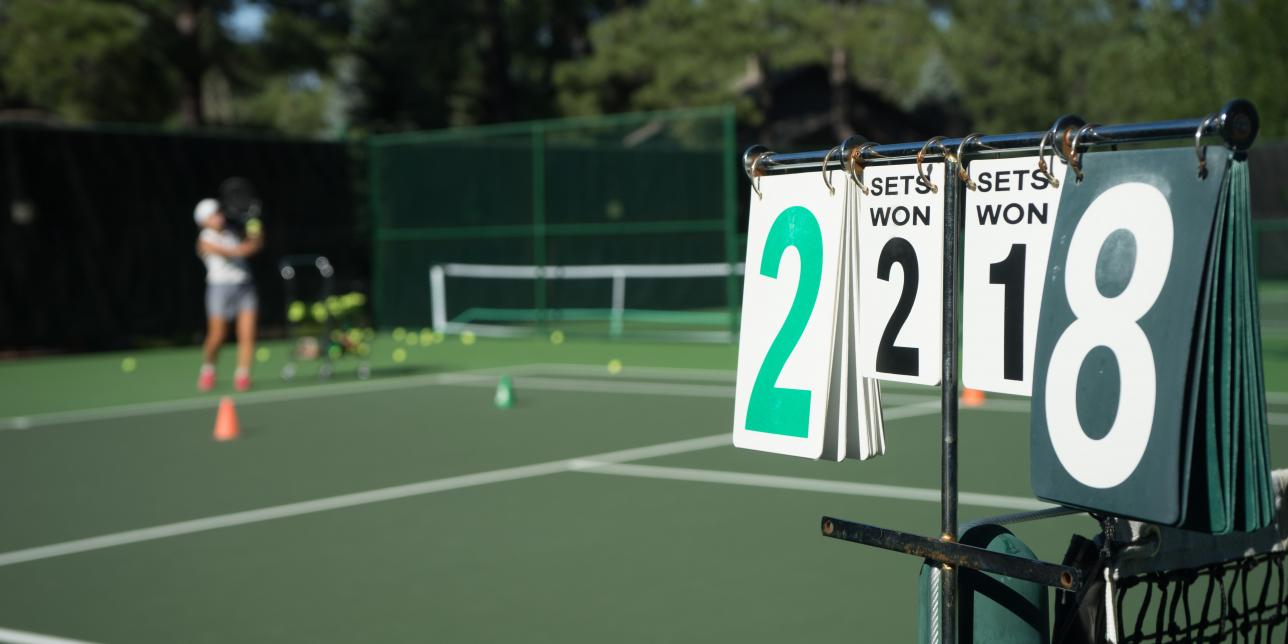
(230,291)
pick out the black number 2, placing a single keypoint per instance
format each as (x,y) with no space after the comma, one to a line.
(1010,274)
(892,359)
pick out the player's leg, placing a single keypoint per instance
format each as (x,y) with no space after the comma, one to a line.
(247,315)
(216,330)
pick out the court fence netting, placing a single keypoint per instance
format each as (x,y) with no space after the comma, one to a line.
(533,200)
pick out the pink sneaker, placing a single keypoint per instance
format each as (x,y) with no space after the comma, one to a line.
(206,380)
(241,381)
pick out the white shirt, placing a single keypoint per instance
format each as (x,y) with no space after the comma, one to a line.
(220,269)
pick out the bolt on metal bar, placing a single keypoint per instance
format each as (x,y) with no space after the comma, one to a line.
(1236,123)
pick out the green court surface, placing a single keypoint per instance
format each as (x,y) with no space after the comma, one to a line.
(408,508)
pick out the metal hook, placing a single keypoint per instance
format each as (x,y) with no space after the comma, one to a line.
(1199,148)
(1075,157)
(754,175)
(855,165)
(827,175)
(1042,164)
(922,177)
(962,172)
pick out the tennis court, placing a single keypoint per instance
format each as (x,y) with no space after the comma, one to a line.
(409,508)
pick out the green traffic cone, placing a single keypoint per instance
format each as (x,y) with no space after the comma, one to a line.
(504,393)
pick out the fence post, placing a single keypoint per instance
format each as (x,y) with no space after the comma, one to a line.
(539,218)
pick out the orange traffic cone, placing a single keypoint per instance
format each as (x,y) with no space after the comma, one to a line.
(226,427)
(972,397)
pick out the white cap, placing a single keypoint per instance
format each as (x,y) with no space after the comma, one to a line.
(205,208)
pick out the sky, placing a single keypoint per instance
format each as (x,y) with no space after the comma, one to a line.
(246,21)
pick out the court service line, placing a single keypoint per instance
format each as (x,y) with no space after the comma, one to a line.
(383,494)
(351,500)
(590,466)
(10,636)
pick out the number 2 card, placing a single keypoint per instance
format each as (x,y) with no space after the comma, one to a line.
(787,338)
(901,262)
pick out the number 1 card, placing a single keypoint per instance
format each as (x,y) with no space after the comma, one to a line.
(1009,218)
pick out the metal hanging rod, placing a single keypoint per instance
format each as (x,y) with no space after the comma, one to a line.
(1236,123)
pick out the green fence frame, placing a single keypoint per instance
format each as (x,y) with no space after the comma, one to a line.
(539,229)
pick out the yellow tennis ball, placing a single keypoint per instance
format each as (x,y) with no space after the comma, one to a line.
(556,337)
(426,337)
(614,367)
(400,355)
(412,339)
(128,365)
(296,312)
(467,338)
(254,227)
(262,354)
(319,312)
(399,334)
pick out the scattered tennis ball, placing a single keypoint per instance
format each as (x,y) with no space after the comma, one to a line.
(556,337)
(254,227)
(467,338)
(614,367)
(399,334)
(295,312)
(426,337)
(319,312)
(128,365)
(400,355)
(364,349)
(412,339)
(262,354)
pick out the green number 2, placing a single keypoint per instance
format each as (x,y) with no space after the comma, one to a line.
(771,409)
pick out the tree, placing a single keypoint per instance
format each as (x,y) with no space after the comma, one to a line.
(674,53)
(131,60)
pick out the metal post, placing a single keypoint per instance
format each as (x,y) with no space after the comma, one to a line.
(730,218)
(953,205)
(539,218)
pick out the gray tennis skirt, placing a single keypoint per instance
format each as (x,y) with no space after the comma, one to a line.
(227,300)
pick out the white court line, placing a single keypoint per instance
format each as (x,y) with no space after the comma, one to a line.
(10,636)
(928,495)
(482,377)
(254,397)
(352,500)
(384,494)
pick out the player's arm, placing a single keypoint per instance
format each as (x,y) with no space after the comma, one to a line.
(254,239)
(244,249)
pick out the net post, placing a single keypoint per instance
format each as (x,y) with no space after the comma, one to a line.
(953,214)
(438,298)
(539,218)
(619,303)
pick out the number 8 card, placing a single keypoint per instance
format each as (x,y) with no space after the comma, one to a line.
(790,293)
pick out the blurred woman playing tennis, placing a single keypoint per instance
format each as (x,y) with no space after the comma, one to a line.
(230,291)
